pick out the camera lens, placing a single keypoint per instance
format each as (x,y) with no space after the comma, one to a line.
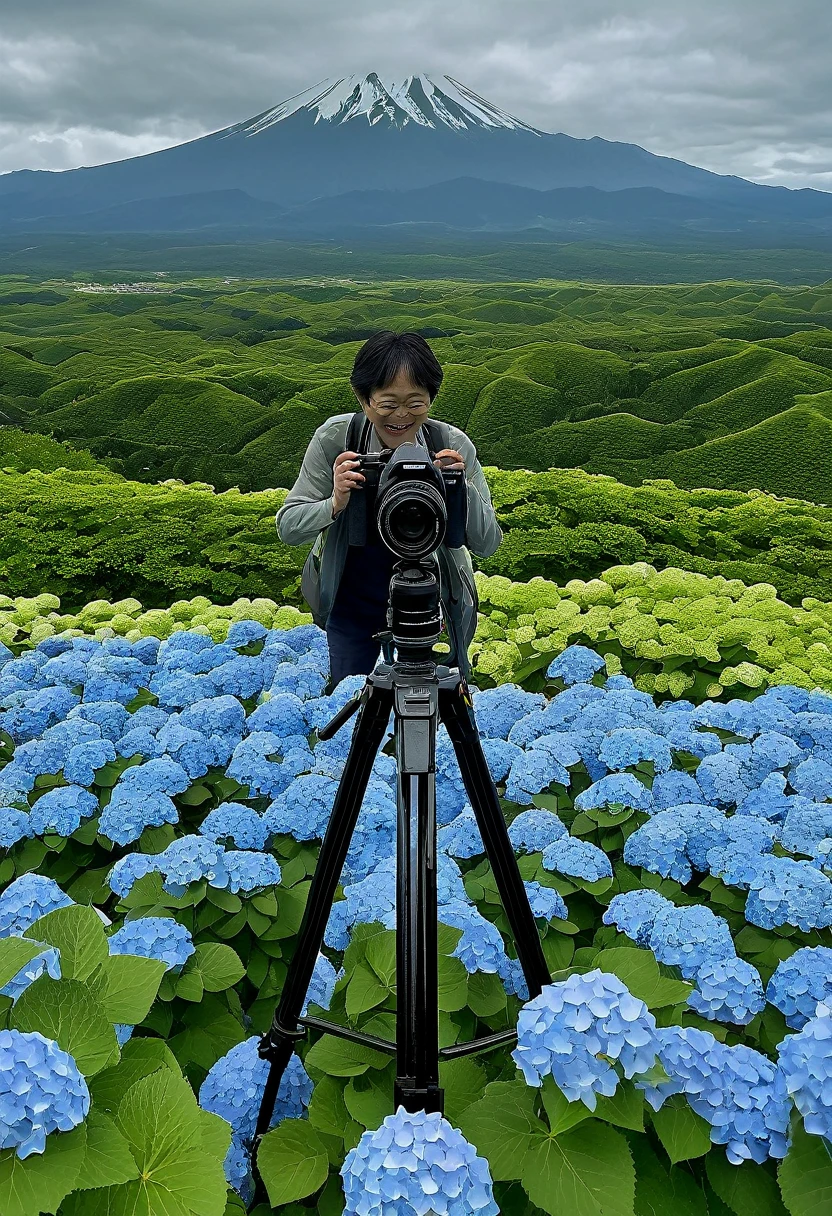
(412,519)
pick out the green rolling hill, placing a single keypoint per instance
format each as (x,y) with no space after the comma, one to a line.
(720,384)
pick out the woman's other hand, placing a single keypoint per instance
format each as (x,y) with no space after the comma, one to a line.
(448,459)
(345,478)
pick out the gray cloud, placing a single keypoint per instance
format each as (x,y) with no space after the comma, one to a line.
(737,86)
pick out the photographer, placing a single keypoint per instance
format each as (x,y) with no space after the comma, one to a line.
(395,378)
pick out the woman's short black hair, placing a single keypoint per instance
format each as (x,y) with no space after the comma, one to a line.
(384,355)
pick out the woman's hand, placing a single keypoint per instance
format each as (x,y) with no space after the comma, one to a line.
(345,479)
(448,459)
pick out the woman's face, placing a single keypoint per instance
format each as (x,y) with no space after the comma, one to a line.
(397,410)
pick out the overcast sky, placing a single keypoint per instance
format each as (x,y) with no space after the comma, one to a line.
(736,86)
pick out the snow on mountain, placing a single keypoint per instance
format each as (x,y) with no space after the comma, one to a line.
(416,100)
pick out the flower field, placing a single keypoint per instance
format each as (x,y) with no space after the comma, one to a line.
(662,745)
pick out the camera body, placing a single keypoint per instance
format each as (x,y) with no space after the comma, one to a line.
(414,506)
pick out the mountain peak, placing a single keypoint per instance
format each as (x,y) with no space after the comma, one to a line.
(415,101)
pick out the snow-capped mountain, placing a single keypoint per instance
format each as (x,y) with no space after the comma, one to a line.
(417,100)
(359,135)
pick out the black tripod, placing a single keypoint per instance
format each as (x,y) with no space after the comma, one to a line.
(419,692)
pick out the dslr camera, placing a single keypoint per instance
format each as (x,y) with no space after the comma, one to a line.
(413,506)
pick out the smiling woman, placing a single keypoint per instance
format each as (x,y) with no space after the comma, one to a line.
(395,379)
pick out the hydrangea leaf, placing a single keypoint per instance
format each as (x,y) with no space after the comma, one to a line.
(215,1133)
(365,991)
(805,1175)
(210,1031)
(67,1011)
(219,966)
(587,1171)
(78,933)
(139,1058)
(561,1113)
(15,953)
(39,1183)
(486,994)
(639,970)
(662,1190)
(464,1083)
(108,1159)
(292,1161)
(683,1133)
(747,1189)
(504,1128)
(381,955)
(159,1118)
(453,984)
(327,1108)
(132,984)
(370,1097)
(340,1058)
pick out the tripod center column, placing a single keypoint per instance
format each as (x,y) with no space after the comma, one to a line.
(417,1018)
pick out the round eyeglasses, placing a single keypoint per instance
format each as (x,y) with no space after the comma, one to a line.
(386,409)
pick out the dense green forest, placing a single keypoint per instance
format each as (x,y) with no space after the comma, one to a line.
(725,384)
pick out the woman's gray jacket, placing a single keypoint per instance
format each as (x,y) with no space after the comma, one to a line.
(306,515)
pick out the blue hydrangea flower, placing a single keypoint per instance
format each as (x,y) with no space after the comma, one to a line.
(545,902)
(768,801)
(26,900)
(630,745)
(86,758)
(660,846)
(189,748)
(499,756)
(805,825)
(237,1167)
(243,633)
(48,961)
(635,912)
(575,665)
(673,788)
(158,937)
(110,716)
(131,810)
(14,826)
(800,983)
(39,709)
(805,1062)
(321,985)
(248,871)
(282,715)
(304,807)
(372,899)
(736,1089)
(622,789)
(304,679)
(729,990)
(129,870)
(251,766)
(374,838)
(190,859)
(575,1027)
(533,831)
(812,779)
(720,779)
(233,1089)
(41,1091)
(233,821)
(61,810)
(497,709)
(416,1163)
(786,892)
(533,771)
(481,947)
(689,937)
(461,838)
(577,858)
(176,690)
(159,776)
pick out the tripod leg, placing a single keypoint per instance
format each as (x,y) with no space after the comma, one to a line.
(417,1017)
(277,1044)
(482,794)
